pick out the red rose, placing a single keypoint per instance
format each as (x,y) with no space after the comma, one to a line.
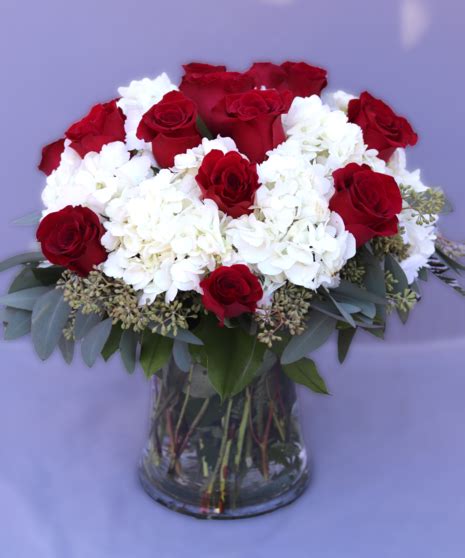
(300,78)
(382,128)
(253,120)
(103,124)
(229,292)
(51,156)
(367,201)
(71,238)
(229,180)
(170,126)
(207,85)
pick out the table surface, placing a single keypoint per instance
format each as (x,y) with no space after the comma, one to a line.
(388,447)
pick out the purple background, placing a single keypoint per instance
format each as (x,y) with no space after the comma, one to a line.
(388,447)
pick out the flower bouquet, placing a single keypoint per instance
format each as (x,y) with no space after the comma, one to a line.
(218,232)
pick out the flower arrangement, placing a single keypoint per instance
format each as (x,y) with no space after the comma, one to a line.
(231,224)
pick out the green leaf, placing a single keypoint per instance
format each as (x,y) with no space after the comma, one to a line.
(186,336)
(31,219)
(231,356)
(66,347)
(94,341)
(423,274)
(18,323)
(305,372)
(25,299)
(202,129)
(349,289)
(319,329)
(155,352)
(24,280)
(27,257)
(344,340)
(84,323)
(393,266)
(128,349)
(375,282)
(181,355)
(49,317)
(347,317)
(112,344)
(48,275)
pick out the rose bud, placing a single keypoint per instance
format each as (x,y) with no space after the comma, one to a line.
(253,120)
(104,124)
(51,156)
(367,201)
(207,85)
(231,291)
(171,127)
(301,79)
(71,238)
(229,180)
(382,128)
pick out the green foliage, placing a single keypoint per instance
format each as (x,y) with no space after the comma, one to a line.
(287,313)
(305,372)
(155,352)
(49,317)
(232,357)
(426,205)
(94,341)
(394,245)
(344,340)
(318,331)
(354,271)
(128,343)
(19,259)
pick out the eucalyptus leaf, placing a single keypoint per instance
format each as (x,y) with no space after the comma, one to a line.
(319,329)
(200,386)
(347,316)
(18,323)
(187,336)
(84,323)
(66,347)
(344,340)
(30,219)
(27,257)
(423,274)
(393,266)
(94,341)
(24,299)
(349,289)
(155,352)
(112,344)
(305,372)
(128,348)
(181,355)
(49,316)
(48,275)
(24,280)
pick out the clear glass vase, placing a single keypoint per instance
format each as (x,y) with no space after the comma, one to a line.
(223,459)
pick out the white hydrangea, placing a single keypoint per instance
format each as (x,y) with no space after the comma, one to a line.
(163,238)
(338,100)
(135,101)
(192,159)
(292,234)
(96,179)
(324,135)
(421,240)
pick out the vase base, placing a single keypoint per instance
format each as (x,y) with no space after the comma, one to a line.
(284,499)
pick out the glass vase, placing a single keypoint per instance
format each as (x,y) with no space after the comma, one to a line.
(214,459)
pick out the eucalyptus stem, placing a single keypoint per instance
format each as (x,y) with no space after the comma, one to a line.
(184,405)
(242,429)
